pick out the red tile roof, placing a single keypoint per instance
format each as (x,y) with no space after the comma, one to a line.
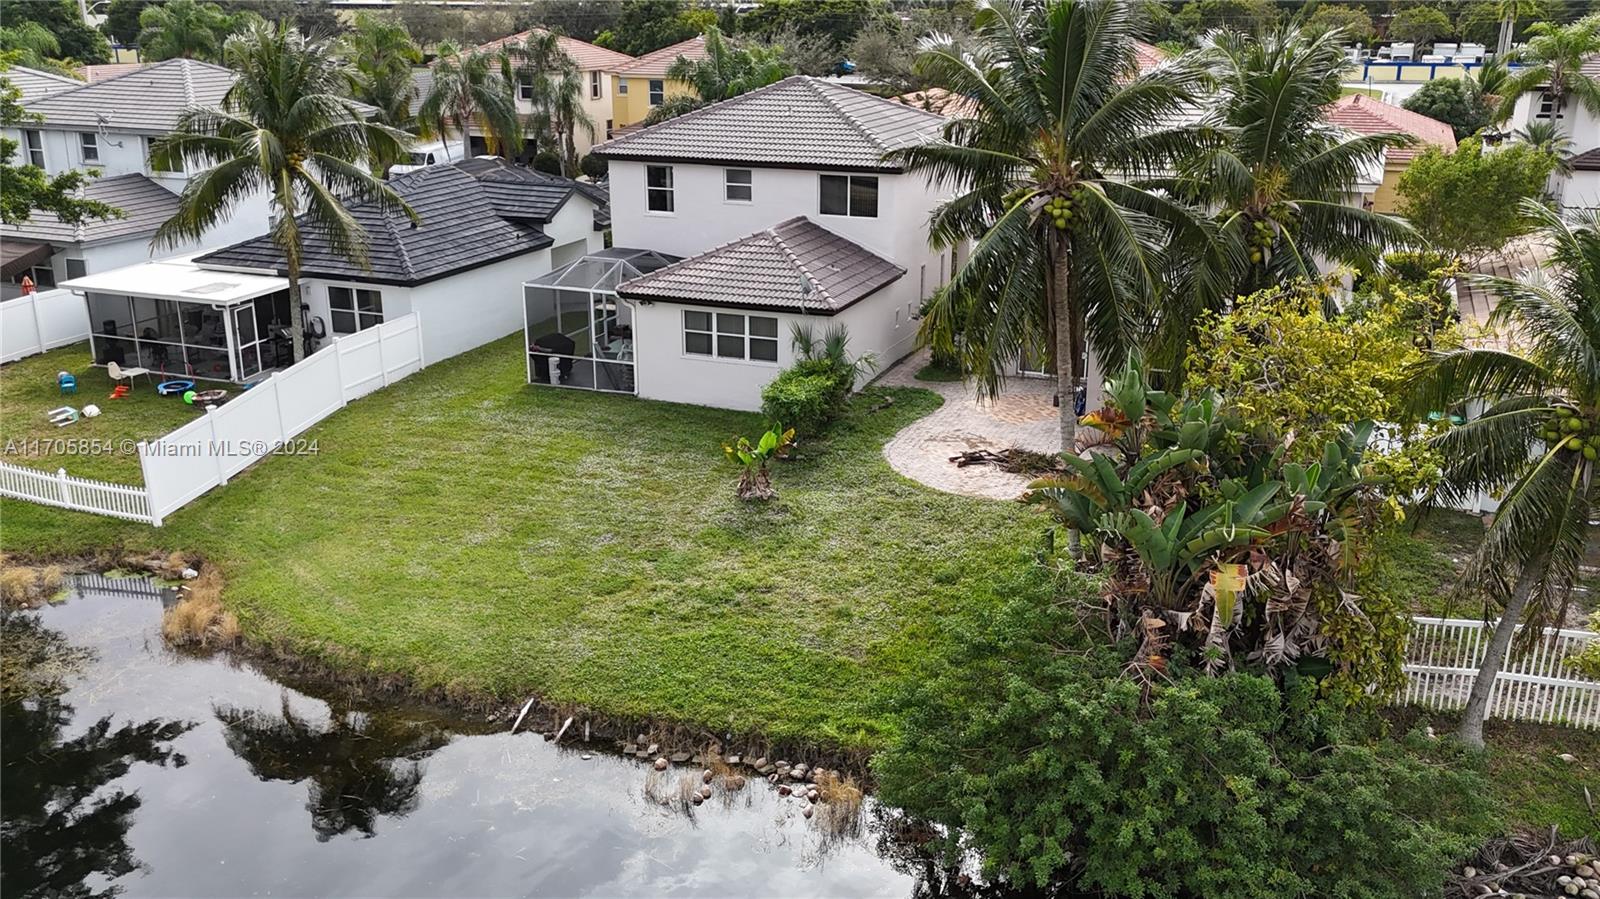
(657,62)
(1149,55)
(1365,115)
(588,56)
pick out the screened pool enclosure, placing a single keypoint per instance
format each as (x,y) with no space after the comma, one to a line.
(578,333)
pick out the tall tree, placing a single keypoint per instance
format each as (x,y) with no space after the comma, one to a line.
(557,88)
(1551,62)
(76,39)
(1421,25)
(1537,439)
(286,128)
(184,28)
(470,90)
(727,70)
(1469,202)
(1067,248)
(382,54)
(31,44)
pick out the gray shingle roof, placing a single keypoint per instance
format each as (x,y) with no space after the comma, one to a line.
(144,204)
(797,122)
(147,100)
(471,215)
(794,266)
(34,84)
(519,191)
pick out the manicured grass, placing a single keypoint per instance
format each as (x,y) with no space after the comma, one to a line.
(100,447)
(1423,565)
(473,532)
(933,371)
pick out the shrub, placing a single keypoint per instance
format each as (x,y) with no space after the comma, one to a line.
(593,166)
(1030,747)
(804,398)
(547,161)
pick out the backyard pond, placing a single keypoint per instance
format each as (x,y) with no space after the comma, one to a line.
(129,769)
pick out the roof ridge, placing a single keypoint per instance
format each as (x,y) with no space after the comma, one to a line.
(816,87)
(794,258)
(54,76)
(188,84)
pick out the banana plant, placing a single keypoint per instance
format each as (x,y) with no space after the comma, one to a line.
(1095,489)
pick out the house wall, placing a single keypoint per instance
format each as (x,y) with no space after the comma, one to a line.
(1387,197)
(1584,131)
(598,109)
(1582,191)
(630,108)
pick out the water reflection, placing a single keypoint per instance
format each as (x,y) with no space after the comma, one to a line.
(63,824)
(357,766)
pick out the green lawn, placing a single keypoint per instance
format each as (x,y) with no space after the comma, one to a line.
(100,447)
(473,532)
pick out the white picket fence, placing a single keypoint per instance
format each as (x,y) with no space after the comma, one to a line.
(37,322)
(227,439)
(1442,658)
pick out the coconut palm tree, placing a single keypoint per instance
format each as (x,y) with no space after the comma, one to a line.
(1067,250)
(31,44)
(284,128)
(1551,63)
(383,53)
(1537,440)
(183,28)
(728,70)
(557,93)
(470,90)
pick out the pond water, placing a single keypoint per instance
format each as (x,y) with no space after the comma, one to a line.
(134,770)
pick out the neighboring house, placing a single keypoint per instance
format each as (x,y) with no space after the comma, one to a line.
(953,105)
(596,65)
(1365,115)
(785,213)
(1394,81)
(642,84)
(35,84)
(1581,189)
(107,127)
(485,227)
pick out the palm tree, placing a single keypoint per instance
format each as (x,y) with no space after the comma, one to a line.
(382,52)
(1551,62)
(1537,440)
(32,45)
(183,28)
(470,90)
(1546,135)
(557,89)
(728,70)
(1282,180)
(285,128)
(1067,246)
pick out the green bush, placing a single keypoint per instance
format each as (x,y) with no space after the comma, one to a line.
(801,399)
(593,166)
(1060,770)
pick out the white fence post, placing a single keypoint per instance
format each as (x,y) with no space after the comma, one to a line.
(416,324)
(38,318)
(383,367)
(66,488)
(211,421)
(338,368)
(144,475)
(277,401)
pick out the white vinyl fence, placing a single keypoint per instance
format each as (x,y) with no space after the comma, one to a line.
(263,420)
(1442,658)
(42,321)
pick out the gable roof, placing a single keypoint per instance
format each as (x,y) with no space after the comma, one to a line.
(1366,115)
(798,122)
(587,56)
(657,62)
(470,216)
(144,204)
(148,99)
(34,84)
(794,266)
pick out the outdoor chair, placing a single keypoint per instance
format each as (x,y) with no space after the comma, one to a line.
(119,374)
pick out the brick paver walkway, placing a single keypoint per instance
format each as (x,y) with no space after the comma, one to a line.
(1024,416)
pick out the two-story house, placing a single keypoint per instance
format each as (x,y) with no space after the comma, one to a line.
(1579,189)
(642,85)
(106,127)
(595,67)
(785,213)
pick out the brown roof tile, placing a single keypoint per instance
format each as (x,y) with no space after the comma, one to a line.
(1366,115)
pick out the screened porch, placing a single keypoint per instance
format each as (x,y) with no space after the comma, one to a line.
(578,333)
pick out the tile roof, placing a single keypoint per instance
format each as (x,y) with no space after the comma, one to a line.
(422,82)
(1366,115)
(148,100)
(794,266)
(103,71)
(657,62)
(471,214)
(586,55)
(797,122)
(953,105)
(144,204)
(1148,55)
(519,191)
(35,84)
(1587,161)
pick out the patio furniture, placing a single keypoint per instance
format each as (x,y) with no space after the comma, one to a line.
(559,345)
(63,416)
(118,373)
(209,397)
(174,387)
(67,383)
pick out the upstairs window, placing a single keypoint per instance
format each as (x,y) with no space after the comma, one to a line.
(595,90)
(90,147)
(852,195)
(1547,108)
(658,91)
(177,164)
(355,309)
(622,86)
(737,185)
(35,144)
(658,188)
(525,88)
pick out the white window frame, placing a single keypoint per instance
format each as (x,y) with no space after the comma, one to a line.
(364,318)
(748,186)
(669,191)
(89,147)
(596,85)
(658,91)
(622,87)
(1545,107)
(525,89)
(33,145)
(849,195)
(723,331)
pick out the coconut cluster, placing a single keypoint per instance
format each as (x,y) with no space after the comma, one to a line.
(1261,240)
(1059,210)
(1569,431)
